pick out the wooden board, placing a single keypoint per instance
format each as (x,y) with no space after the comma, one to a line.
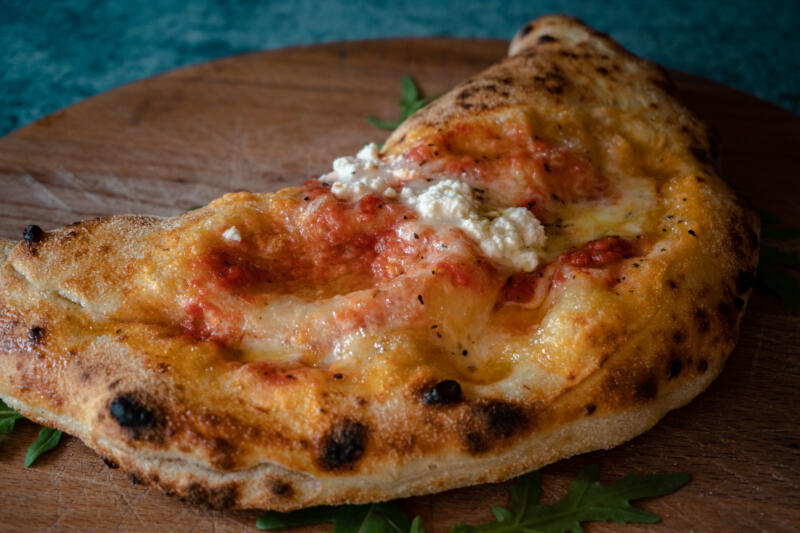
(263,121)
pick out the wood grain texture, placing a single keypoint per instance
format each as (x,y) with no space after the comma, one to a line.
(263,121)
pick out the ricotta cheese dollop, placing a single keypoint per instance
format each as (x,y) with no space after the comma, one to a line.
(232,234)
(354,177)
(508,236)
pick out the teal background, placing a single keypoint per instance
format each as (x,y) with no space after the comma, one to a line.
(55,53)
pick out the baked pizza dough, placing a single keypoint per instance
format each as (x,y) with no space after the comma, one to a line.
(540,263)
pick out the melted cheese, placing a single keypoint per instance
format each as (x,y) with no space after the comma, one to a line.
(626,213)
(394,246)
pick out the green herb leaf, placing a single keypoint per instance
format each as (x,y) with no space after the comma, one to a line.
(775,279)
(382,517)
(194,207)
(383,124)
(773,228)
(416,526)
(775,266)
(586,500)
(48,439)
(409,103)
(7,418)
(409,90)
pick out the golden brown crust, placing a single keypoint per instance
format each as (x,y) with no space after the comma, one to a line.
(94,337)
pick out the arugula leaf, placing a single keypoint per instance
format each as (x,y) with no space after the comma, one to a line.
(409,103)
(48,439)
(7,418)
(773,228)
(778,281)
(416,525)
(775,267)
(371,518)
(586,500)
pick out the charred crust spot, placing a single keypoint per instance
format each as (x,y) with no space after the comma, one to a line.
(699,154)
(738,303)
(553,82)
(589,409)
(109,463)
(701,320)
(647,388)
(526,29)
(492,420)
(678,336)
(737,241)
(672,284)
(36,334)
(728,312)
(602,70)
(32,234)
(466,93)
(674,368)
(138,416)
(664,82)
(702,365)
(280,488)
(222,453)
(129,413)
(135,479)
(343,445)
(223,497)
(443,393)
(544,39)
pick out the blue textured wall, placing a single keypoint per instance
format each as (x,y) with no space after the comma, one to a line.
(54,53)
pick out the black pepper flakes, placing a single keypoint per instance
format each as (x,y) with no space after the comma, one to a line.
(692,233)
(421,301)
(36,334)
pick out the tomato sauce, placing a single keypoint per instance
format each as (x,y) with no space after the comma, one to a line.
(515,166)
(599,256)
(599,253)
(521,287)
